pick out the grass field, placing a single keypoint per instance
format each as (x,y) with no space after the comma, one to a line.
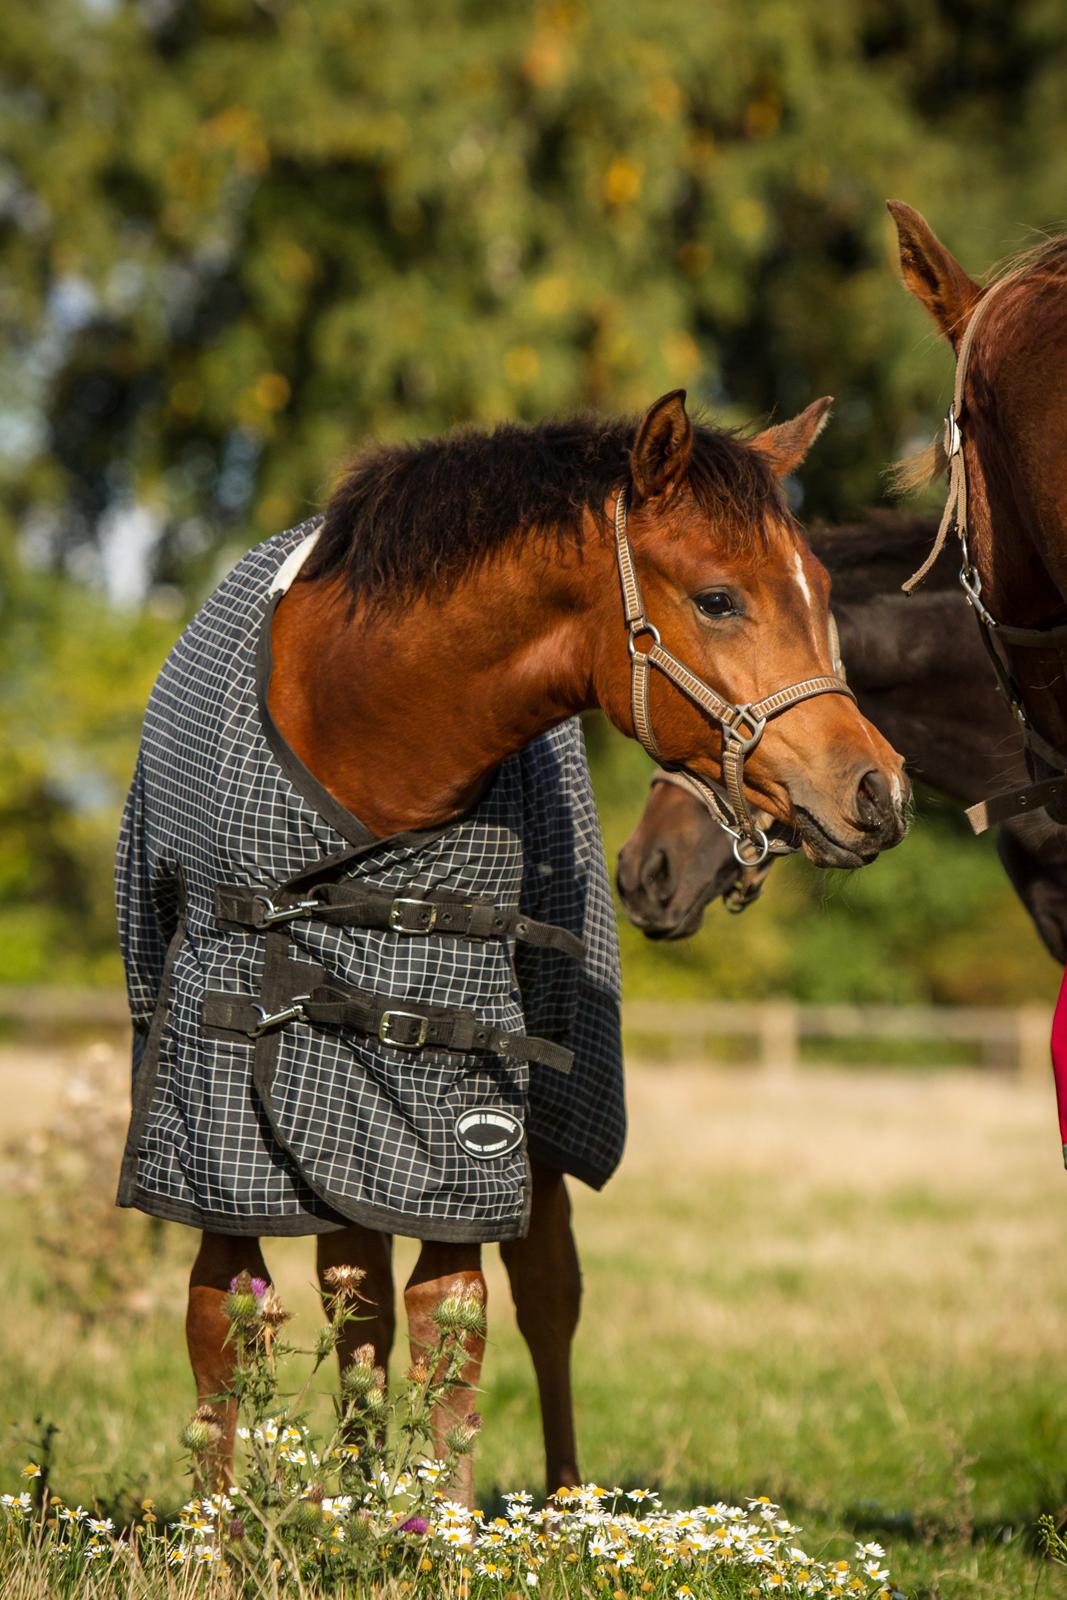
(847,1292)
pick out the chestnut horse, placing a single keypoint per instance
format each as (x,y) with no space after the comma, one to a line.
(1008,479)
(919,672)
(464,598)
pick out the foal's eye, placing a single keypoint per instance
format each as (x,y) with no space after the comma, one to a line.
(716,603)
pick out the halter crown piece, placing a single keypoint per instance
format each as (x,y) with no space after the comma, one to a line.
(742,725)
(1030,797)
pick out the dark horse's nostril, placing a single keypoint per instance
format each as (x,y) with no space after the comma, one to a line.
(657,876)
(874,801)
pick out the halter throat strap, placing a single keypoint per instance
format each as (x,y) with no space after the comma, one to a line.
(742,724)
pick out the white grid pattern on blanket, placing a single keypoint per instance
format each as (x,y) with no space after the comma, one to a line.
(367,1130)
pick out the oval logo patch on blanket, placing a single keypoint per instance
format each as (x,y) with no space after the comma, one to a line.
(485,1131)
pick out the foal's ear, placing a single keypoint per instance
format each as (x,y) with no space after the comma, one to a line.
(660,453)
(786,445)
(932,273)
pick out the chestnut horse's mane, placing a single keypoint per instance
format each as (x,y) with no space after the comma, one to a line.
(410,517)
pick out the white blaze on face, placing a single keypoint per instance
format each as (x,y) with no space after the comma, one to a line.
(809,599)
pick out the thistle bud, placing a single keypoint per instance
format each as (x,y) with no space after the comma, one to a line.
(461,1313)
(315,1494)
(201,1432)
(236,1529)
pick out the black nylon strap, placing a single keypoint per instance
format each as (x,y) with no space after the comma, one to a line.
(400,1024)
(241,906)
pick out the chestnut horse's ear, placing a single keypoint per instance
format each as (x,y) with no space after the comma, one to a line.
(660,453)
(786,445)
(932,273)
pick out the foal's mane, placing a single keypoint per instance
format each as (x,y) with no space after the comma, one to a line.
(406,518)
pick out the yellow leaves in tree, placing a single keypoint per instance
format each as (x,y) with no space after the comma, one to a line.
(762,116)
(552,294)
(271,391)
(681,353)
(622,181)
(522,364)
(694,257)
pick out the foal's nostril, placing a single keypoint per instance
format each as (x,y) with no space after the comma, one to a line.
(874,799)
(657,877)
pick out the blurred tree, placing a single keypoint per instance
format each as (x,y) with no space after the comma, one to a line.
(240,235)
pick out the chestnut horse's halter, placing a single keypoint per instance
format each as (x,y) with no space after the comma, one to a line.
(742,725)
(1031,797)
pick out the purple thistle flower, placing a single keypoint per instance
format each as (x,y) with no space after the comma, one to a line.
(415,1525)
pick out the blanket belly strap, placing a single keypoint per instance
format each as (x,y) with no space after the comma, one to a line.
(400,1024)
(241,906)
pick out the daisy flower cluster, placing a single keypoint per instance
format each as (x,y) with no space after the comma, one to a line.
(623,1542)
(628,1543)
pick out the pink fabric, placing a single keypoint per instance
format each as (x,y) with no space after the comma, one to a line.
(1059,1059)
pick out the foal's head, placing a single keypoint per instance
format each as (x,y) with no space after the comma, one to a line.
(737,596)
(1014,425)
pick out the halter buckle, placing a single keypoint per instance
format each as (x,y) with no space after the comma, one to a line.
(971,583)
(636,630)
(952,440)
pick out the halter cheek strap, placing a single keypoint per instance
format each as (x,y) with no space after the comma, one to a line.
(994,634)
(742,724)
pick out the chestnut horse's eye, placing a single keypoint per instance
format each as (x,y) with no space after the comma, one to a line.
(716,603)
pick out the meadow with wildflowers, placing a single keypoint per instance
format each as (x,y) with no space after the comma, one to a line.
(843,1291)
(363,1508)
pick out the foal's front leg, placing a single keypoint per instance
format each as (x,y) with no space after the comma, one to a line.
(370,1253)
(220,1258)
(546,1286)
(443,1270)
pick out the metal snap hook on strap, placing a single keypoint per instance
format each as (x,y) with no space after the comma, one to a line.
(275,1019)
(273,914)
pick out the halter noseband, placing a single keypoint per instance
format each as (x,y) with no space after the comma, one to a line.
(1031,797)
(742,725)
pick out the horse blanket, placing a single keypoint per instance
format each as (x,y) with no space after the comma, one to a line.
(294,1070)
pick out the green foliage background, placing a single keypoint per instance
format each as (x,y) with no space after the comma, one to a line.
(240,235)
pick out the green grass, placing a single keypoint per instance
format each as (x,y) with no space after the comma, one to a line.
(847,1293)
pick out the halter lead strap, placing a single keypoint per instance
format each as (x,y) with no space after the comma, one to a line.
(955,516)
(742,724)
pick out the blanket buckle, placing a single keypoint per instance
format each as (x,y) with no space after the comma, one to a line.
(386,1023)
(423,919)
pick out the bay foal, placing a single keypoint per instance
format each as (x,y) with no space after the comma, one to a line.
(462,599)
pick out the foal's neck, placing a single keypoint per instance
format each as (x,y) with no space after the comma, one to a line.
(403,714)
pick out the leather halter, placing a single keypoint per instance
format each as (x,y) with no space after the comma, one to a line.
(742,724)
(1030,797)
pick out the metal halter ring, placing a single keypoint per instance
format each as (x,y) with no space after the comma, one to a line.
(637,631)
(758,842)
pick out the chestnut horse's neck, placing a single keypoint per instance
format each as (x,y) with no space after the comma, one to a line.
(404,712)
(1016,420)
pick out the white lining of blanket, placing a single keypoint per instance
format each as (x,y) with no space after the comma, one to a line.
(292,564)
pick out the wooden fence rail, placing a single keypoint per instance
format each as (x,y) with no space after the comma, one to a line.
(777,1033)
(1009,1039)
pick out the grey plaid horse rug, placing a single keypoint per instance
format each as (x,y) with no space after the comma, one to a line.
(333,1027)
